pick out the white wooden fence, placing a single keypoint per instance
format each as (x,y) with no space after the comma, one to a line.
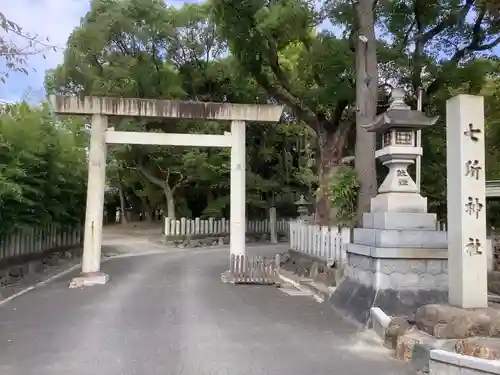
(215,227)
(38,240)
(328,243)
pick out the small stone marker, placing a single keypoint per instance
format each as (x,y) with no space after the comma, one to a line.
(466,191)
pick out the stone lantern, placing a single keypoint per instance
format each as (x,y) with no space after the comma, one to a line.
(397,259)
(397,128)
(302,209)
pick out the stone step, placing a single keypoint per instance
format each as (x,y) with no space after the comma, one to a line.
(399,221)
(428,239)
(397,252)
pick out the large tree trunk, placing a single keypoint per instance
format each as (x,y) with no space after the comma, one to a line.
(146,209)
(169,196)
(330,148)
(123,217)
(366,102)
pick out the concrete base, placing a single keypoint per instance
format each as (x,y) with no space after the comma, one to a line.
(89,279)
(355,300)
(443,362)
(397,286)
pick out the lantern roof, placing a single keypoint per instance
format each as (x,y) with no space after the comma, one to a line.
(400,115)
(302,201)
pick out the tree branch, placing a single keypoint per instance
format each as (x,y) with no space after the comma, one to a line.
(453,18)
(474,46)
(153,179)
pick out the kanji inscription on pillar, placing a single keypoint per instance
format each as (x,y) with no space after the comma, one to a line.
(474,246)
(473,169)
(466,195)
(473,207)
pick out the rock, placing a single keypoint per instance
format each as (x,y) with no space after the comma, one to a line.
(404,347)
(196,243)
(209,241)
(4,277)
(397,327)
(284,258)
(16,272)
(51,260)
(449,322)
(479,347)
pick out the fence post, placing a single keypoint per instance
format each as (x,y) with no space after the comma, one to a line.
(345,239)
(273,225)
(211,229)
(167,226)
(183,226)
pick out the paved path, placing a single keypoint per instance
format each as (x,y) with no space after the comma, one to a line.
(169,314)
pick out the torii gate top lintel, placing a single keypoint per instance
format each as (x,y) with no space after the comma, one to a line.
(133,107)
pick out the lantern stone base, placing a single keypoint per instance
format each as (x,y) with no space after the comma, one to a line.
(399,202)
(397,261)
(399,221)
(399,286)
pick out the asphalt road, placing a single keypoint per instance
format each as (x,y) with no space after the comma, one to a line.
(170,314)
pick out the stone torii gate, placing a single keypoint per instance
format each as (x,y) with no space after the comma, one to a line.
(101,107)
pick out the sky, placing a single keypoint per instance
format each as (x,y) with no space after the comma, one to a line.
(54,19)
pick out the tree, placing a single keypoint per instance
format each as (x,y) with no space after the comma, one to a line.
(43,174)
(141,48)
(366,103)
(317,91)
(15,55)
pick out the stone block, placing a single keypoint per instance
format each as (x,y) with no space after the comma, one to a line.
(89,279)
(421,356)
(479,347)
(399,221)
(443,362)
(398,202)
(449,322)
(397,252)
(429,239)
(354,299)
(397,327)
(379,321)
(404,347)
(360,261)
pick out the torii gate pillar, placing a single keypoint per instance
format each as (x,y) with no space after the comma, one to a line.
(101,108)
(237,215)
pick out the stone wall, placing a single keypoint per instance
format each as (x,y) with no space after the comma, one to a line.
(401,274)
(399,286)
(448,363)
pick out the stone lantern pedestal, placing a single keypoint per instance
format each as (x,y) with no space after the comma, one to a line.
(398,260)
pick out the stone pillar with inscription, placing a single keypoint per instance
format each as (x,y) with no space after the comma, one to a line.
(397,260)
(466,189)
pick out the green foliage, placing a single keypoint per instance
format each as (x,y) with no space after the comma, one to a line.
(43,169)
(257,51)
(342,191)
(16,46)
(142,48)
